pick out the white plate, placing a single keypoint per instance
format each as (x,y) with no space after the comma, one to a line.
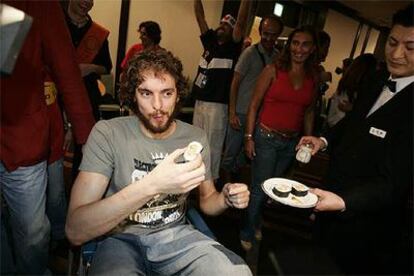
(307,201)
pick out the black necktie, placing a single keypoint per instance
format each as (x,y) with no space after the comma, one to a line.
(392,85)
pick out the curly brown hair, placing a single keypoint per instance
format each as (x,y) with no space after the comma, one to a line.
(158,61)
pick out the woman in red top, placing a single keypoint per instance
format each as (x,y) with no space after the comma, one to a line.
(286,92)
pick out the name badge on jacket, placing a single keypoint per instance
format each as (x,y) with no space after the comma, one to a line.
(377,132)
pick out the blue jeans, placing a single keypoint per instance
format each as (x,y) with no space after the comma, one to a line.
(178,250)
(6,262)
(24,191)
(56,203)
(273,157)
(234,156)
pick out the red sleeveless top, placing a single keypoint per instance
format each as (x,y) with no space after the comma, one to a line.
(284,107)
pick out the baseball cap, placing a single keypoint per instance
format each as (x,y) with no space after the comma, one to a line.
(229,20)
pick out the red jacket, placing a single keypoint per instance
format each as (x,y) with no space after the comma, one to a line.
(24,131)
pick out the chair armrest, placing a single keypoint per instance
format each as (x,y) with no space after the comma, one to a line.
(198,222)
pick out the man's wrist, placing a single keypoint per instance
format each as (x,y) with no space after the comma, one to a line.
(325,143)
(147,185)
(344,205)
(67,126)
(227,203)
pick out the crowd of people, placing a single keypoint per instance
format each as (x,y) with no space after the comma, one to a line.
(254,105)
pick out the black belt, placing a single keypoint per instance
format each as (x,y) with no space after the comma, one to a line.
(280,134)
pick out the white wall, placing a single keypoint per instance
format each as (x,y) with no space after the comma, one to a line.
(180,32)
(362,36)
(106,13)
(342,30)
(372,41)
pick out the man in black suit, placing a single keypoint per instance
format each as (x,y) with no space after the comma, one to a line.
(363,219)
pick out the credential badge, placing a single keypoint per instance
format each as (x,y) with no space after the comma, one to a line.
(377,132)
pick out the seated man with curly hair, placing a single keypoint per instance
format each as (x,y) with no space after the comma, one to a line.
(134,181)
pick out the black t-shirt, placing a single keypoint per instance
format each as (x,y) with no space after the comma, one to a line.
(215,71)
(103,58)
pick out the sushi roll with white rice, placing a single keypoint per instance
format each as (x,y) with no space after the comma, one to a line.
(299,189)
(192,150)
(282,189)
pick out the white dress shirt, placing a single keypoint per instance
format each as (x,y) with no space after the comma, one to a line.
(384,97)
(387,95)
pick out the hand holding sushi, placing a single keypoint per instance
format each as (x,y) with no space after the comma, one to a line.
(174,178)
(236,195)
(328,201)
(192,150)
(315,142)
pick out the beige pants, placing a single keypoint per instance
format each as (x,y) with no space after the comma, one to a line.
(213,118)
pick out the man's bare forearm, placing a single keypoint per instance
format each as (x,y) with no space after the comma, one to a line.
(94,219)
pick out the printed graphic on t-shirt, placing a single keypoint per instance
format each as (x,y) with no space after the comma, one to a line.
(162,208)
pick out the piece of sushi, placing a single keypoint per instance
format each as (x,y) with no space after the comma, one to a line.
(299,189)
(282,189)
(192,150)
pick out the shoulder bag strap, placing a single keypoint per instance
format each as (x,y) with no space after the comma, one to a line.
(260,54)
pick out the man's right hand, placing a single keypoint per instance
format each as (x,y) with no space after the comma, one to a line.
(169,177)
(316,143)
(234,121)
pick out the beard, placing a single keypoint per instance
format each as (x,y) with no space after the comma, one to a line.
(154,128)
(222,35)
(268,45)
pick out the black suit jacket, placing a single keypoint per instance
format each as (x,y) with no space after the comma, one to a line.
(372,174)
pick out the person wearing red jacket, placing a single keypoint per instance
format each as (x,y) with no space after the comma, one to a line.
(24,130)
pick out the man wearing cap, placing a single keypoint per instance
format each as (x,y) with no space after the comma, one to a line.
(211,87)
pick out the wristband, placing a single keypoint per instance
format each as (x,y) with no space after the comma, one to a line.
(248,136)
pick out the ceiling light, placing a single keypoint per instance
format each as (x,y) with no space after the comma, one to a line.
(278,10)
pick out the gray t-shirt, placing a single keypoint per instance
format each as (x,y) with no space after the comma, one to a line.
(249,66)
(118,149)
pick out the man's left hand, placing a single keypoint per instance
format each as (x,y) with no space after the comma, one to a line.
(236,195)
(328,201)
